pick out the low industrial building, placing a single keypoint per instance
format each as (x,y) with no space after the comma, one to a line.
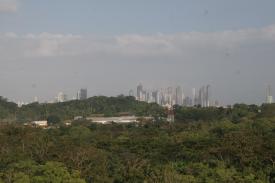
(106,120)
(39,123)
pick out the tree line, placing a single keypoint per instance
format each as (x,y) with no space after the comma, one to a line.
(100,105)
(204,145)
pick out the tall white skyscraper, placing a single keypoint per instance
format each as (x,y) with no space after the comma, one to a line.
(61,97)
(207,96)
(139,92)
(269,97)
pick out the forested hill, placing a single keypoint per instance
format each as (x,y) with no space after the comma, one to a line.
(107,106)
(114,106)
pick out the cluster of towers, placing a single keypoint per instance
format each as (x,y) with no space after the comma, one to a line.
(165,96)
(202,98)
(173,96)
(81,95)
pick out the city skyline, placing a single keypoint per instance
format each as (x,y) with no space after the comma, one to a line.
(81,94)
(177,95)
(171,95)
(267,95)
(109,46)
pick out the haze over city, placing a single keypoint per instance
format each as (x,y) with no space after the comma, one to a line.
(52,46)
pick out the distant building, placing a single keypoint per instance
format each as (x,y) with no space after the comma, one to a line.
(170,113)
(179,96)
(194,97)
(35,99)
(155,97)
(106,120)
(39,123)
(187,102)
(203,97)
(20,103)
(216,104)
(131,93)
(61,97)
(78,118)
(207,96)
(269,97)
(176,96)
(82,94)
(139,92)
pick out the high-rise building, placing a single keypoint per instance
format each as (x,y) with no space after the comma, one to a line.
(143,96)
(179,96)
(170,98)
(187,102)
(61,97)
(35,99)
(203,98)
(207,96)
(155,96)
(131,93)
(82,94)
(139,92)
(269,97)
(194,97)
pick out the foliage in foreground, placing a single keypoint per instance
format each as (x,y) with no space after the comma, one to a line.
(217,151)
(205,145)
(28,171)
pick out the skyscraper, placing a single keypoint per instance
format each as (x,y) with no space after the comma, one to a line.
(179,96)
(170,97)
(187,102)
(82,94)
(155,96)
(269,97)
(139,92)
(61,97)
(194,97)
(203,98)
(207,96)
(35,99)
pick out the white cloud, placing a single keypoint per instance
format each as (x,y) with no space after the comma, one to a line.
(48,45)
(8,6)
(10,35)
(179,45)
(187,43)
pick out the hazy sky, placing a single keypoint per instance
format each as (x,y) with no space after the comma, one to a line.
(109,46)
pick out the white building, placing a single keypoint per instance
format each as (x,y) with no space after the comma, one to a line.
(105,120)
(269,97)
(82,94)
(61,97)
(40,123)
